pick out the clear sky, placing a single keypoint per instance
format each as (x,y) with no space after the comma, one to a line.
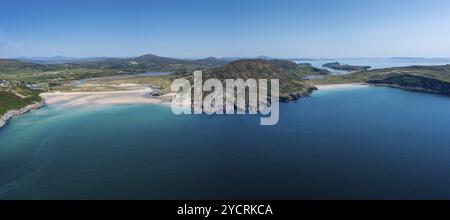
(201,28)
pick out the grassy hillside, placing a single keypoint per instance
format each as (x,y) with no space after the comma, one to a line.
(441,73)
(420,78)
(16,98)
(291,75)
(417,83)
(58,74)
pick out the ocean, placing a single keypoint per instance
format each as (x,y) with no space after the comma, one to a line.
(353,143)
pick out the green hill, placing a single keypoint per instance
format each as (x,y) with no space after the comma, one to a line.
(17,97)
(293,84)
(418,78)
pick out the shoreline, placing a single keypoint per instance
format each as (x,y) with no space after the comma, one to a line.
(16,112)
(140,96)
(341,86)
(77,99)
(74,99)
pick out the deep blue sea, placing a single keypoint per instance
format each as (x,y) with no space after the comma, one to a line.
(358,143)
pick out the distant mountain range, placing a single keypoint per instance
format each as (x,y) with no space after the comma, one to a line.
(147,57)
(208,60)
(59,59)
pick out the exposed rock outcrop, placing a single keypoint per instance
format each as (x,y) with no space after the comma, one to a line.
(11,113)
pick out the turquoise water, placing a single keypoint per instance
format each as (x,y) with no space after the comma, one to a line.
(359,143)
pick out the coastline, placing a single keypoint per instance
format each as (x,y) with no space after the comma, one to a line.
(341,86)
(140,96)
(12,113)
(412,89)
(74,99)
(144,96)
(80,99)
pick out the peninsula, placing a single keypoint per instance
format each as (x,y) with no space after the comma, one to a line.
(432,79)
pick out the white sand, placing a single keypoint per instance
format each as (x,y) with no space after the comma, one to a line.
(141,96)
(341,86)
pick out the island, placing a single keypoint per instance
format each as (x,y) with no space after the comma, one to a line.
(345,67)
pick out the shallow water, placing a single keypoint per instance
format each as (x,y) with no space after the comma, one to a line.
(356,143)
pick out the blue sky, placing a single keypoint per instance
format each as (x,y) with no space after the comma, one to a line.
(200,28)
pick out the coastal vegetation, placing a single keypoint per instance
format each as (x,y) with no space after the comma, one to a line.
(434,79)
(21,81)
(17,97)
(292,76)
(417,83)
(59,74)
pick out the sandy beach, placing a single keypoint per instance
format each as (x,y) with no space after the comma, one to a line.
(142,96)
(341,86)
(137,96)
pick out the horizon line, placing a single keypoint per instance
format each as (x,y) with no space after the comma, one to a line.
(222,57)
